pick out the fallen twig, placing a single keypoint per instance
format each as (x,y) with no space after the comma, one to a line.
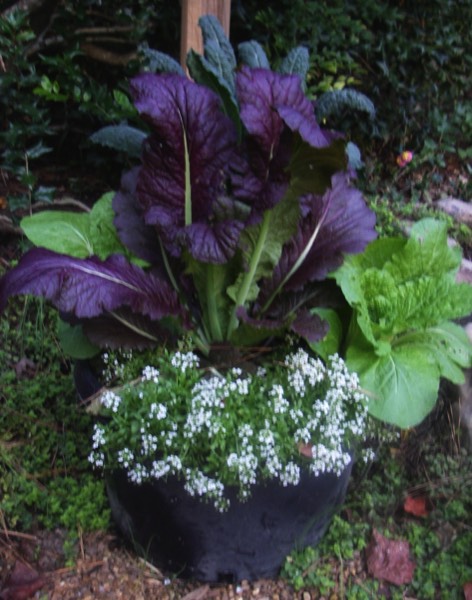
(24,536)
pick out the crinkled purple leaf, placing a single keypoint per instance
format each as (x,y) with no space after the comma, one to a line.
(138,237)
(309,326)
(271,100)
(273,107)
(125,329)
(207,243)
(346,225)
(185,163)
(252,331)
(260,180)
(89,287)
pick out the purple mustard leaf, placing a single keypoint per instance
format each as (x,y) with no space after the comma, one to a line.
(309,326)
(269,101)
(273,108)
(344,225)
(89,287)
(141,239)
(186,163)
(213,243)
(125,329)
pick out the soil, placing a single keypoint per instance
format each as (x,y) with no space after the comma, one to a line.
(106,569)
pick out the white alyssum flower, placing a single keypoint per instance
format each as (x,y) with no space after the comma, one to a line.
(97,459)
(185,360)
(279,403)
(125,457)
(110,400)
(138,474)
(158,411)
(150,374)
(290,474)
(170,465)
(148,444)
(98,437)
(248,427)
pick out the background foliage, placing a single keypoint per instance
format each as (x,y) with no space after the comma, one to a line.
(66,65)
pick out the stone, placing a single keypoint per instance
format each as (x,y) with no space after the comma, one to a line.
(459,210)
(465,272)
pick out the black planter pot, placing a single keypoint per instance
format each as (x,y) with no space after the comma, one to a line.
(186,536)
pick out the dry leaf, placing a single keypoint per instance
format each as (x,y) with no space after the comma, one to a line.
(467,590)
(389,560)
(199,594)
(416,505)
(25,368)
(22,584)
(306,450)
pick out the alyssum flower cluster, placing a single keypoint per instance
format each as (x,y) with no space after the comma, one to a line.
(234,429)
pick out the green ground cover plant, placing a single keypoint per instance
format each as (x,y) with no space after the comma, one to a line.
(440,540)
(45,480)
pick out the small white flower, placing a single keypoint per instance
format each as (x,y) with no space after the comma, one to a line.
(98,437)
(184,361)
(125,457)
(157,411)
(97,459)
(110,400)
(150,374)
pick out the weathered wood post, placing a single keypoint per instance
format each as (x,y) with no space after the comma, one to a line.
(192,10)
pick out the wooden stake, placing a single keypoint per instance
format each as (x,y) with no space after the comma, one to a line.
(192,10)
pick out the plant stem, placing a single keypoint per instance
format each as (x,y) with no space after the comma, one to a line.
(188,185)
(249,276)
(211,305)
(299,260)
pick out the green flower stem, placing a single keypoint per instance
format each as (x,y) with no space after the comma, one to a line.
(249,277)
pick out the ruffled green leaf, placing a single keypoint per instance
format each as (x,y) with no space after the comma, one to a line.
(403,294)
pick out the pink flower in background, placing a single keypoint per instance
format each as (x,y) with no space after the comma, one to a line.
(404,158)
